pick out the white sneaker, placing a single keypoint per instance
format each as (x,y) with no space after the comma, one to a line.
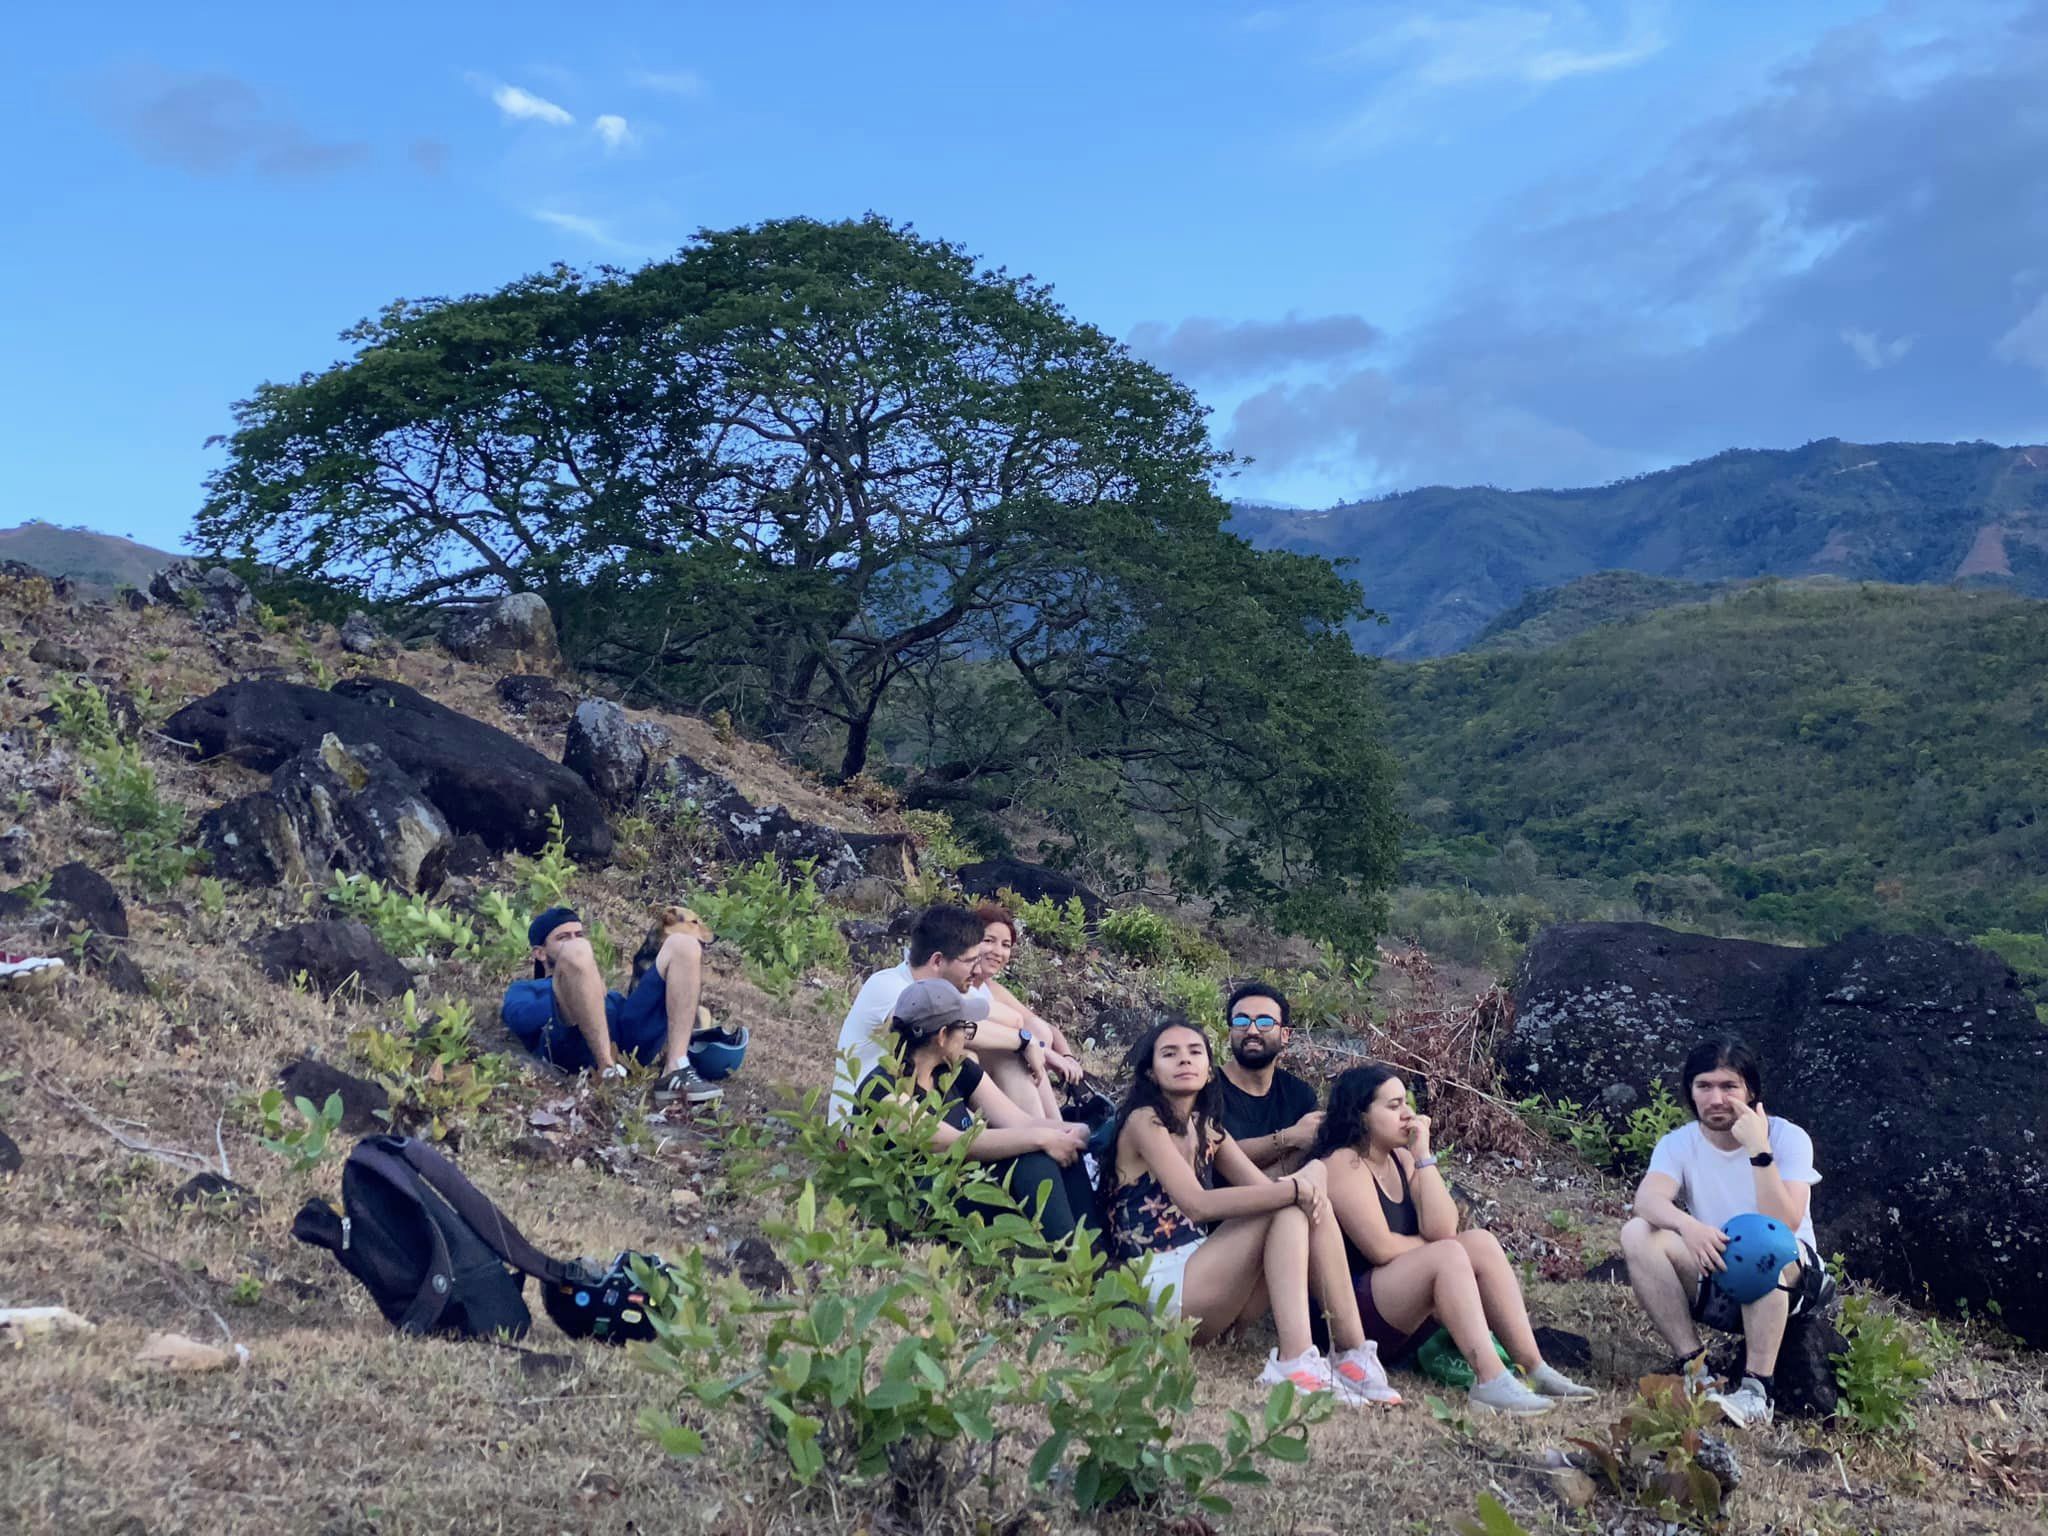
(1506,1394)
(1747,1407)
(614,1073)
(29,973)
(1309,1371)
(1552,1382)
(1360,1379)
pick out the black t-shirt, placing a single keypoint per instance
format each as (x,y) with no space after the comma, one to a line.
(1247,1118)
(957,1090)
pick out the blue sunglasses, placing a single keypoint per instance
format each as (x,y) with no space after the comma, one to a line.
(1247,1021)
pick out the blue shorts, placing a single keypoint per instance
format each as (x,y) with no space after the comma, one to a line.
(638,1022)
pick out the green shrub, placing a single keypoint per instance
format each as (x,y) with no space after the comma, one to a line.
(1565,1120)
(431,1069)
(885,1363)
(303,1146)
(1647,1126)
(941,848)
(82,716)
(543,878)
(1881,1372)
(1196,994)
(780,926)
(1138,934)
(121,797)
(1050,924)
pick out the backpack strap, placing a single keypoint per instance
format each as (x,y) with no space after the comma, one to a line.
(384,1156)
(485,1219)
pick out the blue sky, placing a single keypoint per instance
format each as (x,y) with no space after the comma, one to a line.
(1391,244)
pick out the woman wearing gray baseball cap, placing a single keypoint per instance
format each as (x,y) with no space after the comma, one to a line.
(1037,1159)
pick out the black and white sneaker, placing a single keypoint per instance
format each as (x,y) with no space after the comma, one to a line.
(29,973)
(684,1083)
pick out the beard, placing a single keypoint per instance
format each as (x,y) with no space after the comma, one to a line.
(1252,1051)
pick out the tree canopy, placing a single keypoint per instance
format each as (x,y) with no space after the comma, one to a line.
(821,474)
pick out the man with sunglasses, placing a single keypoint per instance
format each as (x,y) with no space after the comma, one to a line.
(1268,1111)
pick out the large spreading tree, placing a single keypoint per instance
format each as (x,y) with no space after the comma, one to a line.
(823,474)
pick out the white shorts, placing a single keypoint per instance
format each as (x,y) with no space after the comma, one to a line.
(1168,1267)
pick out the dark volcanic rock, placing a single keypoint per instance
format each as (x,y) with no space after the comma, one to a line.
(516,626)
(333,806)
(10,1154)
(538,698)
(110,961)
(1034,882)
(746,831)
(1917,1065)
(217,598)
(360,1099)
(360,635)
(203,1188)
(333,956)
(606,752)
(48,653)
(78,895)
(483,780)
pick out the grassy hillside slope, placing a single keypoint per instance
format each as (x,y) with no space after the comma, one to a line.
(338,1426)
(1793,762)
(96,559)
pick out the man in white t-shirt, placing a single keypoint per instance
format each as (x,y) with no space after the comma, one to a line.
(1730,1160)
(945,944)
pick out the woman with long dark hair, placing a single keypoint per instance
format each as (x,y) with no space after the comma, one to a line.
(1410,1261)
(1219,1240)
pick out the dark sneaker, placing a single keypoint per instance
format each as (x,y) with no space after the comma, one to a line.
(684,1083)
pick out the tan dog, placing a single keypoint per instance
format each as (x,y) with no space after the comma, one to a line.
(673,919)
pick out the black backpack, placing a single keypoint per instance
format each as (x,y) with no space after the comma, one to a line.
(428,1245)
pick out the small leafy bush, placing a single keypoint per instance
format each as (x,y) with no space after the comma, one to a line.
(409,924)
(121,797)
(780,926)
(1138,934)
(431,1069)
(1647,1126)
(544,878)
(1652,1453)
(1881,1372)
(1050,924)
(941,848)
(82,715)
(895,1365)
(1198,995)
(303,1146)
(1567,1121)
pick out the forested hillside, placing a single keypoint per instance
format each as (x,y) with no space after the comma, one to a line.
(1786,762)
(1441,562)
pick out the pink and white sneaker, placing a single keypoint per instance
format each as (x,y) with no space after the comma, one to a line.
(1309,1371)
(1360,1379)
(29,973)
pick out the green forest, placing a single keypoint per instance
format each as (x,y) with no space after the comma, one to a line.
(1788,763)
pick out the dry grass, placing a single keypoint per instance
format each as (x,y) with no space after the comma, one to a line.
(336,1425)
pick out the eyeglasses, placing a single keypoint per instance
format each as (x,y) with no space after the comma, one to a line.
(969,1025)
(1253,1021)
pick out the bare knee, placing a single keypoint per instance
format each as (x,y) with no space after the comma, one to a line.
(1450,1256)
(680,949)
(573,956)
(1638,1237)
(1482,1248)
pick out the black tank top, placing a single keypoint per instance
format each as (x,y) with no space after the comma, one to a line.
(1400,1214)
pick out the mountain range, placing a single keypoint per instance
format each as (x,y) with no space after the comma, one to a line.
(1442,563)
(89,558)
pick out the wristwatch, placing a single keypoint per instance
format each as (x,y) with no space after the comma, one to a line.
(1023,1038)
(1763,1160)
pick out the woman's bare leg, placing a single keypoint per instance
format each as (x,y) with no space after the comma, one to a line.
(1222,1277)
(1501,1295)
(1436,1280)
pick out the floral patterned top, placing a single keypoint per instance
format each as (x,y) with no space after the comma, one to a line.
(1143,1218)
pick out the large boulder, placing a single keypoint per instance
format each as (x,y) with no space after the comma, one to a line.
(336,805)
(1917,1065)
(77,896)
(333,956)
(361,636)
(746,831)
(536,699)
(517,627)
(1034,882)
(216,596)
(606,751)
(482,780)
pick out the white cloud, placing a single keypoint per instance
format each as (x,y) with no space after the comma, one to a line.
(2027,342)
(671,82)
(518,104)
(1872,352)
(613,130)
(597,232)
(1458,49)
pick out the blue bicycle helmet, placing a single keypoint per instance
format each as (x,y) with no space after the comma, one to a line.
(1759,1248)
(717,1053)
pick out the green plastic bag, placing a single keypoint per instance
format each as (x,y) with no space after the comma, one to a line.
(1439,1360)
